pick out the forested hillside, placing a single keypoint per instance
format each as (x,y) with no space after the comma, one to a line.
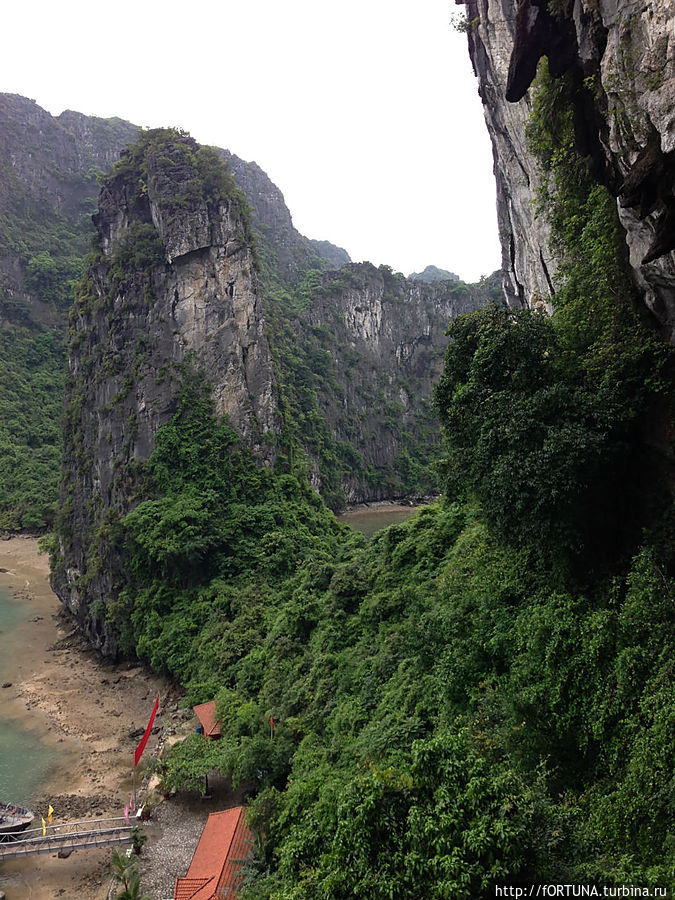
(482,696)
(47,196)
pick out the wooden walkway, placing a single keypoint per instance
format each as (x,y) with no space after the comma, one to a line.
(68,837)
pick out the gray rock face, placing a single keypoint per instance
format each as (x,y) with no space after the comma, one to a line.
(527,264)
(382,340)
(49,169)
(53,162)
(627,49)
(175,284)
(43,153)
(206,296)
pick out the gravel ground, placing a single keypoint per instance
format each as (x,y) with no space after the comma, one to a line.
(174,832)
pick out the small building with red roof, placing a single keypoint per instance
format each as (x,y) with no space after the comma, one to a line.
(215,868)
(206,713)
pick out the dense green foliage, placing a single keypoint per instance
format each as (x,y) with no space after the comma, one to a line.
(549,442)
(484,694)
(212,518)
(32,371)
(45,232)
(50,247)
(169,165)
(446,717)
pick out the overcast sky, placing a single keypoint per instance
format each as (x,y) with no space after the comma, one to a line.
(365,113)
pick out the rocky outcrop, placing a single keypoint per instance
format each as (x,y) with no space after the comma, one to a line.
(377,341)
(50,165)
(527,263)
(174,287)
(624,50)
(126,347)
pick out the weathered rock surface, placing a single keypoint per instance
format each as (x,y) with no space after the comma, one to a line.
(527,263)
(381,338)
(49,168)
(175,283)
(626,50)
(48,192)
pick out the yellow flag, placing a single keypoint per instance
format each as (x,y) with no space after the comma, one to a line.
(50,813)
(44,828)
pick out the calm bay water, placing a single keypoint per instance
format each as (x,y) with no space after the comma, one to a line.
(24,761)
(372,519)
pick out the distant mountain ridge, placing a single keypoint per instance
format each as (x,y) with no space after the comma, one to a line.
(432,274)
(369,436)
(50,166)
(291,253)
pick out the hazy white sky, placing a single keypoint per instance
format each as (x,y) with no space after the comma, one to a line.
(365,113)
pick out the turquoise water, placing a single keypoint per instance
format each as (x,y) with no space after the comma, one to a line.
(24,764)
(10,615)
(24,761)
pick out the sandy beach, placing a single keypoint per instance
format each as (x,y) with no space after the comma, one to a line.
(84,708)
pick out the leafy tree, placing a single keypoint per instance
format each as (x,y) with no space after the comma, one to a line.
(551,456)
(124,870)
(188,764)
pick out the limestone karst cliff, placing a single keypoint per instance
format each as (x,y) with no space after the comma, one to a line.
(51,166)
(374,341)
(171,288)
(622,54)
(337,373)
(48,192)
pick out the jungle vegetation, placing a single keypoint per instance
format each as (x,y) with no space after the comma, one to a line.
(50,245)
(482,695)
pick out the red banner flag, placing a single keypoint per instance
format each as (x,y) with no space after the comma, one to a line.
(144,739)
(271,725)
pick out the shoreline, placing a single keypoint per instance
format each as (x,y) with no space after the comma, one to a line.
(377,506)
(84,707)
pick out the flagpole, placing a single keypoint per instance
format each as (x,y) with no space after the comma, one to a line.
(143,742)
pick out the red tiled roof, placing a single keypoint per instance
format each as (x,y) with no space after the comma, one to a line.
(216,863)
(206,713)
(186,888)
(240,848)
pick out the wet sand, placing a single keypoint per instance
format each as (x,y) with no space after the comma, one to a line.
(82,707)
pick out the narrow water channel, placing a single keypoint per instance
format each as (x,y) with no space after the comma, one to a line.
(371,519)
